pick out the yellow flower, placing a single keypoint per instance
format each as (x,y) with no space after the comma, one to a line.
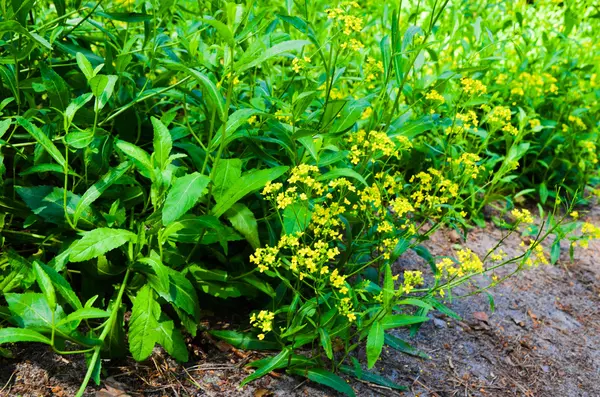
(522,216)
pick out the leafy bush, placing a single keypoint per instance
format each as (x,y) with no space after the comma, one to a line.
(285,156)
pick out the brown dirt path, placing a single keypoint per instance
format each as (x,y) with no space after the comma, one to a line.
(542,340)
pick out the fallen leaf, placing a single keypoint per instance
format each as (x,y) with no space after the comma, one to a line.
(481,316)
(262,393)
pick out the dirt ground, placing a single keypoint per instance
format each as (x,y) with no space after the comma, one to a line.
(543,339)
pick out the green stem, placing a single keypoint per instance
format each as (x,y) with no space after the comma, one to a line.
(109,324)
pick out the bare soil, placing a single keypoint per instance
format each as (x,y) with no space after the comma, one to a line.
(543,339)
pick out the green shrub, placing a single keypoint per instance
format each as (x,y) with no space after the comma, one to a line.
(161,157)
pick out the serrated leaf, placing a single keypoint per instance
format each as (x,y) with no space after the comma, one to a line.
(296,217)
(247,183)
(143,324)
(85,313)
(140,158)
(45,285)
(31,310)
(226,174)
(170,339)
(98,242)
(84,65)
(243,220)
(94,192)
(62,286)
(183,195)
(102,87)
(162,142)
(79,139)
(374,343)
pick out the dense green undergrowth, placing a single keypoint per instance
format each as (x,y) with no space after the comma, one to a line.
(163,157)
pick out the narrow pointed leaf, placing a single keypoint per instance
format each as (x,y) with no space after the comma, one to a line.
(43,140)
(143,324)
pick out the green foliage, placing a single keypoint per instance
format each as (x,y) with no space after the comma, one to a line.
(162,157)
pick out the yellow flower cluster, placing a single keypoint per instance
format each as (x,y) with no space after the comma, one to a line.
(589,231)
(375,145)
(345,309)
(522,216)
(435,96)
(469,163)
(283,116)
(537,251)
(498,256)
(338,281)
(473,87)
(534,84)
(500,115)
(468,119)
(349,23)
(353,44)
(468,263)
(372,69)
(590,150)
(578,122)
(432,189)
(299,64)
(412,279)
(264,321)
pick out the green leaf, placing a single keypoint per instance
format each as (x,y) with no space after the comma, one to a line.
(243,340)
(129,17)
(326,378)
(94,192)
(84,313)
(401,320)
(58,90)
(4,125)
(371,377)
(102,87)
(162,143)
(273,363)
(201,273)
(183,195)
(41,168)
(170,338)
(31,310)
(402,346)
(374,343)
(143,324)
(243,220)
(156,271)
(140,158)
(555,251)
(98,242)
(14,335)
(222,29)
(277,49)
(182,294)
(213,97)
(388,287)
(227,173)
(342,172)
(296,217)
(45,285)
(79,139)
(43,140)
(62,286)
(247,183)
(326,342)
(85,66)
(234,121)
